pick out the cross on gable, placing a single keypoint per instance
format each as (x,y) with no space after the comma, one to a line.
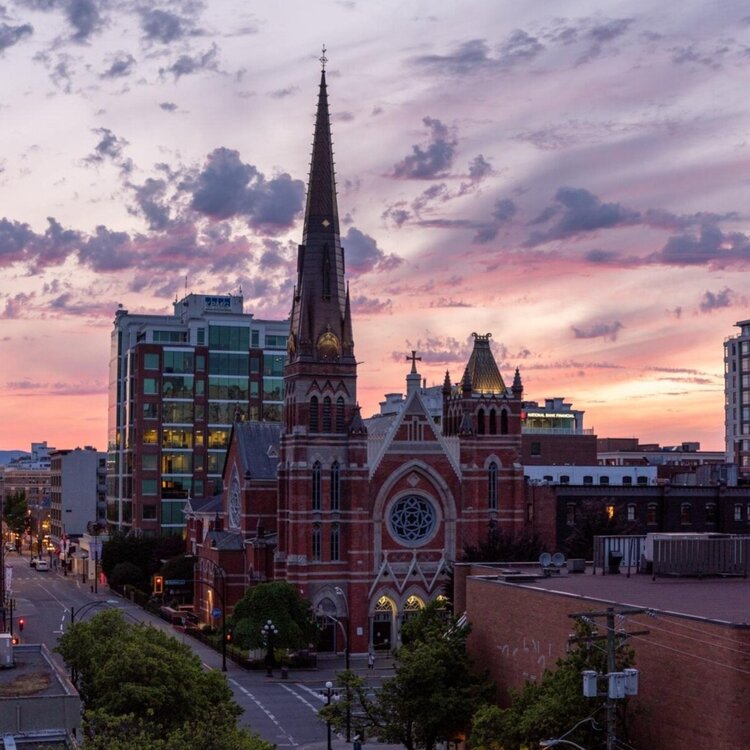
(414,359)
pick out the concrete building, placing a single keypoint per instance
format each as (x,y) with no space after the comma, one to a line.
(697,641)
(39,706)
(176,384)
(737,399)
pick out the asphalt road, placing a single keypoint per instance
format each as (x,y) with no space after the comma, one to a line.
(281,711)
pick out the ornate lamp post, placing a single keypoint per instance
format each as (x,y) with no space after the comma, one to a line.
(340,592)
(328,694)
(269,631)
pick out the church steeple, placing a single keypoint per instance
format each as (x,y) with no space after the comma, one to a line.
(321,328)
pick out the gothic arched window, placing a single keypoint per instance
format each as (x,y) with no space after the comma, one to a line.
(314,414)
(316,486)
(316,542)
(326,414)
(340,414)
(493,422)
(335,542)
(480,422)
(503,422)
(335,486)
(492,486)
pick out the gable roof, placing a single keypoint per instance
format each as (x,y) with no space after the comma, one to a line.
(258,448)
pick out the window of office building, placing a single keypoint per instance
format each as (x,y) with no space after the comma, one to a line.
(151,361)
(631,512)
(170,337)
(255,338)
(275,342)
(149,386)
(225,363)
(177,386)
(218,437)
(149,461)
(272,412)
(273,364)
(148,486)
(172,513)
(148,513)
(176,437)
(176,463)
(216,463)
(176,488)
(272,389)
(150,411)
(178,361)
(150,437)
(229,338)
(737,512)
(174,412)
(710,512)
(228,388)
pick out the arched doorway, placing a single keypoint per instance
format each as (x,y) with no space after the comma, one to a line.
(325,615)
(412,607)
(382,623)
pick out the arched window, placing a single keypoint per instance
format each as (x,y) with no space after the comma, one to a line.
(493,422)
(314,414)
(316,542)
(335,486)
(326,414)
(503,422)
(316,486)
(480,422)
(651,514)
(340,427)
(335,543)
(492,486)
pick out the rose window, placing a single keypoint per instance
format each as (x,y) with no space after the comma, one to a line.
(413,519)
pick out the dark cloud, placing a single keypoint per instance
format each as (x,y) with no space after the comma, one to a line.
(364,255)
(598,330)
(434,158)
(716,300)
(227,187)
(602,33)
(449,302)
(83,16)
(150,200)
(710,247)
(121,66)
(397,213)
(107,250)
(442,350)
(475,55)
(14,236)
(284,93)
(432,193)
(10,35)
(168,106)
(691,55)
(186,65)
(479,168)
(362,305)
(504,210)
(578,211)
(109,147)
(162,26)
(601,256)
(16,306)
(343,116)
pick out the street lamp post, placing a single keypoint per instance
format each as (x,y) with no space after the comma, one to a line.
(329,693)
(269,631)
(340,592)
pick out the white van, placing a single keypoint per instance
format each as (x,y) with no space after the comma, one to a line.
(42,565)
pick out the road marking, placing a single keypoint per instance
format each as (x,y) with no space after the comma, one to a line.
(297,695)
(265,711)
(317,694)
(62,604)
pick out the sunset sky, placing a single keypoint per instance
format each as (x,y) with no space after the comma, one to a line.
(574,181)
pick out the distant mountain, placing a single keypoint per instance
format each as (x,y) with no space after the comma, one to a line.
(7,456)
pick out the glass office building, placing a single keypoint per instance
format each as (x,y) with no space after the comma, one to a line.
(176,385)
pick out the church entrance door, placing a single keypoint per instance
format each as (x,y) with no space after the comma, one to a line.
(382,624)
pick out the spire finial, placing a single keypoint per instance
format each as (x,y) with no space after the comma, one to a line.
(323,59)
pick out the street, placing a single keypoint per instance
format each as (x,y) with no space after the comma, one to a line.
(281,711)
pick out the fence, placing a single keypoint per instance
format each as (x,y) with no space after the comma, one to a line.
(702,557)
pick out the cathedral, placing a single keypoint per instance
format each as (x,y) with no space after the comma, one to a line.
(363,516)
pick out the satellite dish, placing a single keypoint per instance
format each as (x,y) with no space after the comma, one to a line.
(545,559)
(558,559)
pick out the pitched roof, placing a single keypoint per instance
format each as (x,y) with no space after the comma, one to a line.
(258,447)
(482,371)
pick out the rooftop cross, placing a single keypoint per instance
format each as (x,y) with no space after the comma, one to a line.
(414,359)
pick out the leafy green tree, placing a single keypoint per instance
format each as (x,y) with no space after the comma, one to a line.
(503,547)
(138,683)
(140,552)
(15,511)
(281,603)
(553,706)
(432,696)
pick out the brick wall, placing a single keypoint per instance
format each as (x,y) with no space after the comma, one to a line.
(686,699)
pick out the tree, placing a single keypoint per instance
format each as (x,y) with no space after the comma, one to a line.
(140,552)
(280,602)
(594,519)
(553,706)
(502,547)
(138,683)
(15,511)
(433,694)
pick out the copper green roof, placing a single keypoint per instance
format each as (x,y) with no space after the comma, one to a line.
(482,369)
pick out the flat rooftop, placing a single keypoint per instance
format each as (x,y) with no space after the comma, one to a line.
(725,600)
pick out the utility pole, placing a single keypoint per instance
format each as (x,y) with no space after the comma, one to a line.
(619,684)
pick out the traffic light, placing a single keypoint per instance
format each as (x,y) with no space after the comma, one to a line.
(158,585)
(229,635)
(21,623)
(15,640)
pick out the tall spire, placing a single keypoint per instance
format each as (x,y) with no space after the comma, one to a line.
(321,211)
(321,326)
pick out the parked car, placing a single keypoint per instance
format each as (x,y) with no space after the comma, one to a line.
(34,561)
(42,564)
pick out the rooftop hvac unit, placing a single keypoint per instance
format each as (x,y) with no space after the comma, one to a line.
(6,650)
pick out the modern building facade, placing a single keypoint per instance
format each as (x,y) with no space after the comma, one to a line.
(77,491)
(364,517)
(176,385)
(737,399)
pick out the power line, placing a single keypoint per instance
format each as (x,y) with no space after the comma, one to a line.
(654,616)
